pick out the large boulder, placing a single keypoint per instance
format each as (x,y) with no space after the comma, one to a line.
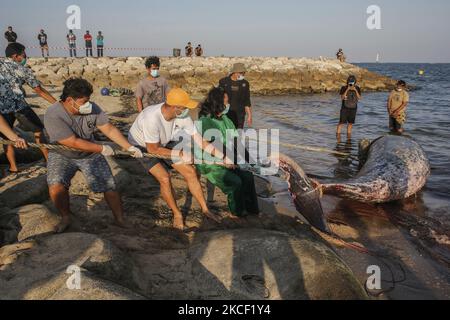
(28,187)
(26,222)
(38,271)
(262,264)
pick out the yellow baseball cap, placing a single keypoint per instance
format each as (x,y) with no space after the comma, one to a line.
(180,98)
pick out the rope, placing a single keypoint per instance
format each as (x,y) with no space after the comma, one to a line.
(64,148)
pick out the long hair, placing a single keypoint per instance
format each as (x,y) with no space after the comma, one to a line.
(213,104)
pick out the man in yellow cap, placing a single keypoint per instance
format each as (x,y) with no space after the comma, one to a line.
(162,128)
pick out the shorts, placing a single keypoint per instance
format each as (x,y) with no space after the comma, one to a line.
(348,116)
(96,170)
(394,124)
(149,163)
(44,46)
(28,120)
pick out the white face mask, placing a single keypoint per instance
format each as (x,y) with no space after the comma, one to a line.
(85,108)
(227,109)
(241,77)
(183,115)
(155,73)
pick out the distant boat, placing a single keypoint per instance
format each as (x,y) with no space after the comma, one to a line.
(378,58)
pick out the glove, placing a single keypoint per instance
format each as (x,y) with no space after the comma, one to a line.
(108,151)
(136,152)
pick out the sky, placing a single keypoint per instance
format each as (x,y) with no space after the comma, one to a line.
(412,30)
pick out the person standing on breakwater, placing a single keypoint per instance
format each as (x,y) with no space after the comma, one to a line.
(238,91)
(13,74)
(71,123)
(350,95)
(88,43)
(161,130)
(43,43)
(72,41)
(10,35)
(189,51)
(199,51)
(397,104)
(153,89)
(237,184)
(100,44)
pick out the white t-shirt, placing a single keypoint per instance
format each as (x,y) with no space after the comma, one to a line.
(151,127)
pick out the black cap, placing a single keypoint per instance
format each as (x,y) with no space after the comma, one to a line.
(14,49)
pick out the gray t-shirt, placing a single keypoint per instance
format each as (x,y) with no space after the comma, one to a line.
(61,125)
(152,91)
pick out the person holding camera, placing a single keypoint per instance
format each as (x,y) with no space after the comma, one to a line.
(350,95)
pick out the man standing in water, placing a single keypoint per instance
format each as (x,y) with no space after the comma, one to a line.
(238,91)
(397,104)
(350,95)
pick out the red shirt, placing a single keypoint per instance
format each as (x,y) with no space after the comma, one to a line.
(88,37)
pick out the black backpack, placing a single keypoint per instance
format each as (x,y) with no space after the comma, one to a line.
(352,100)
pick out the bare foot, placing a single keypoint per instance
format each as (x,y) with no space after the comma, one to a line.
(63,225)
(213,217)
(122,224)
(178,223)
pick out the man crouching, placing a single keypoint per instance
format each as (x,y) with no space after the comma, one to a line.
(71,123)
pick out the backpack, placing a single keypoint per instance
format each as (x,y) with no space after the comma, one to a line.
(352,100)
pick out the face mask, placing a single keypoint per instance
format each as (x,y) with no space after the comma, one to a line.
(183,115)
(155,73)
(352,83)
(227,109)
(241,77)
(399,89)
(85,108)
(23,62)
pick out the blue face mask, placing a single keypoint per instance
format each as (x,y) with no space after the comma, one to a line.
(227,109)
(155,73)
(24,62)
(184,114)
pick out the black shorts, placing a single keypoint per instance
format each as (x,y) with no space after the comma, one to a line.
(348,116)
(28,120)
(149,163)
(394,125)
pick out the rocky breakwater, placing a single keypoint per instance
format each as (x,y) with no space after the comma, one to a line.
(268,76)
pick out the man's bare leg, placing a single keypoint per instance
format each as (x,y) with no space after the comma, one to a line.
(349,130)
(11,156)
(115,204)
(190,175)
(60,197)
(38,137)
(163,177)
(338,131)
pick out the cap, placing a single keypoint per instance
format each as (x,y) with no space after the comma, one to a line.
(180,98)
(238,68)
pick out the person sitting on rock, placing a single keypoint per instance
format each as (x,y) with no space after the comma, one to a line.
(167,130)
(9,133)
(71,123)
(237,184)
(238,91)
(13,106)
(153,89)
(340,55)
(350,95)
(189,50)
(397,104)
(199,51)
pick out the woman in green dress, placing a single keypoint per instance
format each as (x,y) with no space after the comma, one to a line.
(237,184)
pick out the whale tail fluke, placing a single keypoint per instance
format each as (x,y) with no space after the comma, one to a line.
(306,193)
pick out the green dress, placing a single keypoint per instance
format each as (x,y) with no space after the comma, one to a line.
(238,185)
